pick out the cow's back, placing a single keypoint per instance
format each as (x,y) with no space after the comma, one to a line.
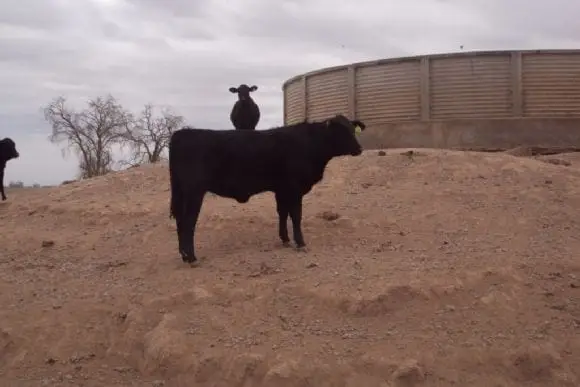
(236,163)
(225,158)
(252,161)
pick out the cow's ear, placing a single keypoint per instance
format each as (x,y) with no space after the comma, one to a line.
(254,88)
(359,124)
(233,90)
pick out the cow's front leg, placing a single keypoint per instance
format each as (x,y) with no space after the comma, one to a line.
(282,209)
(2,183)
(295,207)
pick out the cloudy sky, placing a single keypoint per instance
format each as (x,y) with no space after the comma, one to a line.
(187,53)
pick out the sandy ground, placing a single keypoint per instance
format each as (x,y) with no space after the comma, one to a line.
(443,268)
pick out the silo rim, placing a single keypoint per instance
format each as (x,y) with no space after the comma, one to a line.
(377,62)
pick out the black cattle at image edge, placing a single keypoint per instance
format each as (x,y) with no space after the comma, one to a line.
(7,152)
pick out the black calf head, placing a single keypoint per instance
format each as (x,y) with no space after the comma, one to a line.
(243,91)
(344,132)
(8,150)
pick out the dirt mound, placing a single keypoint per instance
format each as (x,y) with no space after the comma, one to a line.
(424,268)
(564,156)
(540,150)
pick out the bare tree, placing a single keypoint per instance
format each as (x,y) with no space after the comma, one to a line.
(16,184)
(90,133)
(148,136)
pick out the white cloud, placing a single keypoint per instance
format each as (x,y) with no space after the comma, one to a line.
(187,54)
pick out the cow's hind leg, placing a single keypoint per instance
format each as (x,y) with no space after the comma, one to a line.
(186,226)
(181,234)
(282,209)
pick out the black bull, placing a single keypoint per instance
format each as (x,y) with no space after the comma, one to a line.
(237,164)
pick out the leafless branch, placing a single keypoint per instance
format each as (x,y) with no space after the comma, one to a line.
(90,132)
(148,136)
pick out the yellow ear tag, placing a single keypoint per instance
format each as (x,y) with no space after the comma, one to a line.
(357,130)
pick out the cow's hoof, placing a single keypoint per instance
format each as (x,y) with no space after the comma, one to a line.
(285,243)
(189,258)
(302,249)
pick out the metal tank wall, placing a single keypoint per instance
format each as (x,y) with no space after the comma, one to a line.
(485,99)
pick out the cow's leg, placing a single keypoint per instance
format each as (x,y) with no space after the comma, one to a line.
(186,226)
(282,208)
(181,235)
(2,183)
(295,207)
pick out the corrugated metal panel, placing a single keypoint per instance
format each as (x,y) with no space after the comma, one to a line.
(327,95)
(471,87)
(294,102)
(551,85)
(388,92)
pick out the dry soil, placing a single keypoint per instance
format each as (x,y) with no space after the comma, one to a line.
(423,268)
